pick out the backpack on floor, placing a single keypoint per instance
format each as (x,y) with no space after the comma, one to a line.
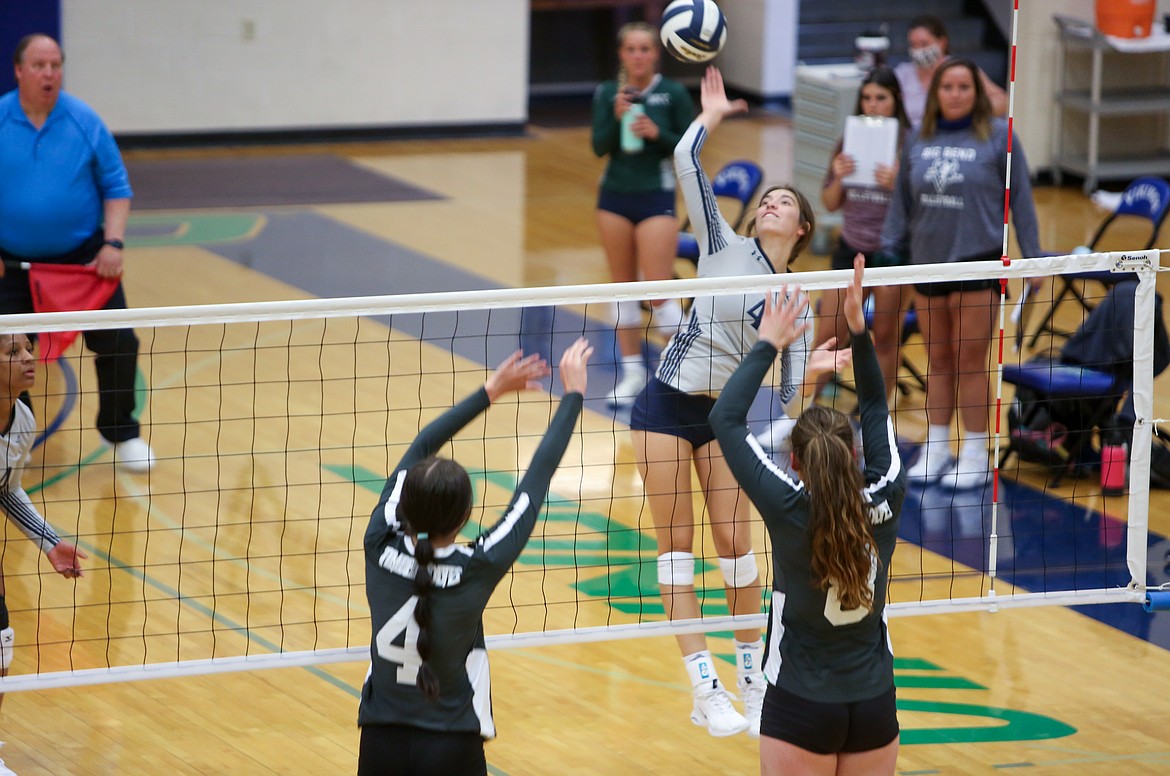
(1036,436)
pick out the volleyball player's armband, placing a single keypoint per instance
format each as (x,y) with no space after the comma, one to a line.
(888,259)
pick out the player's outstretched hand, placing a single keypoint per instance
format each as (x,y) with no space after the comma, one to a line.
(855,296)
(574,376)
(66,559)
(779,326)
(713,96)
(826,359)
(517,372)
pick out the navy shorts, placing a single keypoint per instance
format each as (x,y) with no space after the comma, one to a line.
(666,410)
(637,207)
(401,750)
(829,728)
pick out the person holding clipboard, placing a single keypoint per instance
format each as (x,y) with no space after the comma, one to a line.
(859,182)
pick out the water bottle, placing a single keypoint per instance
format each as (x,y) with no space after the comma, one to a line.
(631,143)
(1114,456)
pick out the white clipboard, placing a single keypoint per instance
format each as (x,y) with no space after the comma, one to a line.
(870,140)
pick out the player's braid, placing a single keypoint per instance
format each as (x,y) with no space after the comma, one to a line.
(436,500)
(424,554)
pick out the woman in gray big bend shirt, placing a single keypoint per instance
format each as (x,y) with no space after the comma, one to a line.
(947,206)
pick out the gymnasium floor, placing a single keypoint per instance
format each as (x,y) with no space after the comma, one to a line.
(1036,691)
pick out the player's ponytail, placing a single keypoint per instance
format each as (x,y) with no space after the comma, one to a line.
(839,529)
(435,501)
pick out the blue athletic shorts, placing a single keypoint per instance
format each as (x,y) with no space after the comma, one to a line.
(666,410)
(829,728)
(637,207)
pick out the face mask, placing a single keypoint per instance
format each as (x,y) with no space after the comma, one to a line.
(927,56)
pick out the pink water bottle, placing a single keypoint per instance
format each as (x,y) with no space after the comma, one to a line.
(1113,461)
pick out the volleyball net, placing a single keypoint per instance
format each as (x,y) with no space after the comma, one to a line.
(275,425)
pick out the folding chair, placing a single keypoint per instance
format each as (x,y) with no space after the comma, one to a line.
(1099,392)
(737,181)
(1146,198)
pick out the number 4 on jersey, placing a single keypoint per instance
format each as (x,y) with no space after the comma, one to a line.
(402,621)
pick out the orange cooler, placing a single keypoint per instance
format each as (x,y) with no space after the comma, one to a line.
(1126,18)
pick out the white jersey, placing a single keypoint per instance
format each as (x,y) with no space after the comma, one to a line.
(15,447)
(722,330)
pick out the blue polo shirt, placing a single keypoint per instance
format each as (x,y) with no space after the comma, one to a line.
(53,181)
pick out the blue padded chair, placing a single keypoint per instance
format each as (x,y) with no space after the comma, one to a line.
(1100,392)
(1146,198)
(738,181)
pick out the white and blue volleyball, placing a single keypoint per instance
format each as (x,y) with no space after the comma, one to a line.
(693,30)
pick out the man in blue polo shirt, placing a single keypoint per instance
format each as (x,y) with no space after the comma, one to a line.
(65,199)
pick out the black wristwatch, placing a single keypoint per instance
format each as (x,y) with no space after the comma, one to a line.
(115,244)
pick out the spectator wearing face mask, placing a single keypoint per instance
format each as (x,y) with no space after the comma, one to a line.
(928,47)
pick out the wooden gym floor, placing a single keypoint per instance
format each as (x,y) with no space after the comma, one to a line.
(1043,691)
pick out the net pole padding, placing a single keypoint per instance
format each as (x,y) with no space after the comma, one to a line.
(1138,521)
(308,658)
(515,298)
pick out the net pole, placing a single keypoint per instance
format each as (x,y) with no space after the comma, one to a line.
(1138,523)
(993,539)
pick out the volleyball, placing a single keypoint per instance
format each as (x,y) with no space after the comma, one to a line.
(693,30)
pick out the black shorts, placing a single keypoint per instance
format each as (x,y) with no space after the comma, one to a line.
(637,207)
(844,255)
(666,410)
(829,728)
(401,750)
(951,287)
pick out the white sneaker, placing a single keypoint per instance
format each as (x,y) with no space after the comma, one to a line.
(968,473)
(133,455)
(752,689)
(777,437)
(713,710)
(627,388)
(930,467)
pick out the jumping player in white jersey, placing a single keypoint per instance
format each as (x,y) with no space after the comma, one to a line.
(18,370)
(830,707)
(669,418)
(426,703)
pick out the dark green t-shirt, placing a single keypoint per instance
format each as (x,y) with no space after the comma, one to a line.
(668,104)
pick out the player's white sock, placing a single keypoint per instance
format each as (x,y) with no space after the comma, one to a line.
(935,456)
(667,317)
(700,668)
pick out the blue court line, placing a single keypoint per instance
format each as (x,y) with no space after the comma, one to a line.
(66,406)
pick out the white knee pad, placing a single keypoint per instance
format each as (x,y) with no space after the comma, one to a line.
(7,643)
(676,569)
(739,572)
(628,315)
